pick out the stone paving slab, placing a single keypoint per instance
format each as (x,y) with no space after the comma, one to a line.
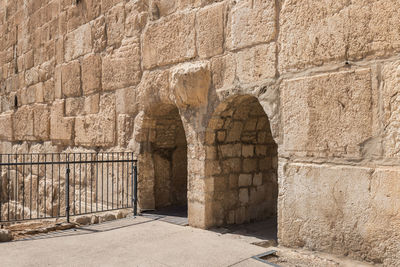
(133,242)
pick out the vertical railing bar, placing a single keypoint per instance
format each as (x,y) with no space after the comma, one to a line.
(23,188)
(86,183)
(59,184)
(8,188)
(37,188)
(80,183)
(74,185)
(30,195)
(127,180)
(122,180)
(45,187)
(107,164)
(135,198)
(112,181)
(52,185)
(91,182)
(97,181)
(67,207)
(16,187)
(118,154)
(102,182)
(1,188)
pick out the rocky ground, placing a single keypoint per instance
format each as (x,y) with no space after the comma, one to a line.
(22,230)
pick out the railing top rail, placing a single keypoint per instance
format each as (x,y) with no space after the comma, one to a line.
(66,158)
(70,153)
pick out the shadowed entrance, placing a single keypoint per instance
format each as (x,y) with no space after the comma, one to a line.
(168,149)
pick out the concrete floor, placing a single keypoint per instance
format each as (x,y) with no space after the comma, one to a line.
(132,242)
(156,241)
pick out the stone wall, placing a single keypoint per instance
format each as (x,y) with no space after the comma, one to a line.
(86,76)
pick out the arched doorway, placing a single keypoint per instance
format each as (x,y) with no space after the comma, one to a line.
(241,163)
(166,161)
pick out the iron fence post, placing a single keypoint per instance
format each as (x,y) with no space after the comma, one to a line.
(67,207)
(134,188)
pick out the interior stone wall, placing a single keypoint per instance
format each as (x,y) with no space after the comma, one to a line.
(83,75)
(241,164)
(169,151)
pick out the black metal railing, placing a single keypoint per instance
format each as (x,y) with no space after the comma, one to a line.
(54,185)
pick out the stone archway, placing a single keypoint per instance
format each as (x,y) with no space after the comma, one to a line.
(241,163)
(163,160)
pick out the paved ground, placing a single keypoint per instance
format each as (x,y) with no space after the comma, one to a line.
(130,242)
(141,241)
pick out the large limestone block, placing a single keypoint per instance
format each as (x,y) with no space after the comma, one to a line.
(91,74)
(210,30)
(391,108)
(41,122)
(78,42)
(312,33)
(115,19)
(223,71)
(23,124)
(97,129)
(341,209)
(71,79)
(107,4)
(122,68)
(153,89)
(136,15)
(190,83)
(61,129)
(6,126)
(126,101)
(374,28)
(256,63)
(169,40)
(251,22)
(99,34)
(329,114)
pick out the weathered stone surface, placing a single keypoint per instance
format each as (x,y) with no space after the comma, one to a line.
(347,208)
(190,83)
(120,75)
(74,106)
(115,19)
(41,122)
(91,74)
(223,71)
(6,126)
(61,129)
(71,79)
(210,30)
(251,22)
(391,108)
(83,220)
(5,235)
(373,28)
(153,89)
(126,100)
(328,114)
(122,69)
(78,42)
(91,104)
(170,40)
(312,33)
(23,124)
(256,63)
(97,129)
